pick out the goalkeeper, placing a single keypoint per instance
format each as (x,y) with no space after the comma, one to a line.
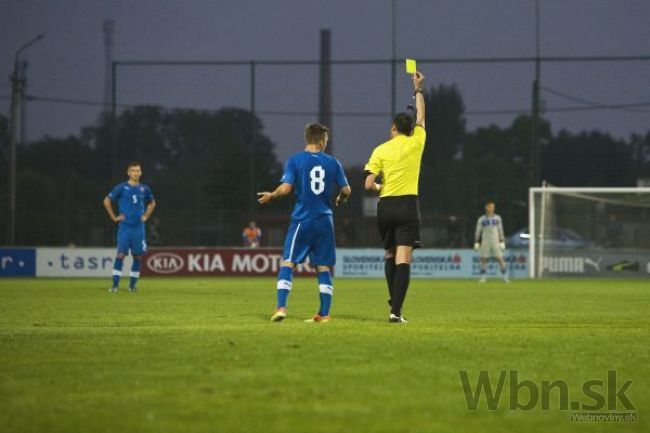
(489,240)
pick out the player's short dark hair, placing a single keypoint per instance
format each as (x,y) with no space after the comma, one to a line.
(489,202)
(133,164)
(403,123)
(315,133)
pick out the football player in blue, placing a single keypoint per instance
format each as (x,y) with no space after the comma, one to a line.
(135,204)
(311,174)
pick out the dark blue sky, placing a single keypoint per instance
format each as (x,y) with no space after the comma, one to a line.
(69,62)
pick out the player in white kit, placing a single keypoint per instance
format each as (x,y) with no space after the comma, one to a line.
(489,240)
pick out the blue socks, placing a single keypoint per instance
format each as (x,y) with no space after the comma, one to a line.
(285,280)
(326,290)
(117,271)
(135,273)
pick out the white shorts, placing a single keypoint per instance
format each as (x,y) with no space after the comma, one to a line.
(490,249)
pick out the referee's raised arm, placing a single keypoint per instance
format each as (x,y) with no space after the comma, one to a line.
(418,79)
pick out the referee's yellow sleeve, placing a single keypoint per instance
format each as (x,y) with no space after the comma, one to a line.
(374,164)
(420,135)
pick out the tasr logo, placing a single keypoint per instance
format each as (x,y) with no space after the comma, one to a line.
(165,263)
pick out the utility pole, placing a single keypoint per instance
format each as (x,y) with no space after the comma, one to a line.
(535,151)
(113,121)
(109,31)
(23,102)
(110,97)
(393,37)
(252,163)
(325,85)
(16,94)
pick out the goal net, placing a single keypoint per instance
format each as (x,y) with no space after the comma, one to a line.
(588,232)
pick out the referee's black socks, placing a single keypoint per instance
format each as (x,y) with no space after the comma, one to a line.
(400,286)
(389,271)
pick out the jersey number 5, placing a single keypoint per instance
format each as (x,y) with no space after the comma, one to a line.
(317,179)
(135,199)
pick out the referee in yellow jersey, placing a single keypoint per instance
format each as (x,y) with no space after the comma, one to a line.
(397,161)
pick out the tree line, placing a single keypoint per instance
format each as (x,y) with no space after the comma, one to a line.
(204,165)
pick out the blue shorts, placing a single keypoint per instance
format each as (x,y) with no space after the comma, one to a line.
(313,238)
(131,238)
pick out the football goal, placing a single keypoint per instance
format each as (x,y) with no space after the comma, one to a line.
(588,232)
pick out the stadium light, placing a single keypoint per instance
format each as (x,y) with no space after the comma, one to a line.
(16,90)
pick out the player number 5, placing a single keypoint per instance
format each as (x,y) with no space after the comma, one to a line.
(135,199)
(317,177)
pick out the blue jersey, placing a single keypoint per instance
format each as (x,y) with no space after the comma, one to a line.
(131,201)
(312,176)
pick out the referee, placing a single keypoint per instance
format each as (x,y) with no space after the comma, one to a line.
(397,161)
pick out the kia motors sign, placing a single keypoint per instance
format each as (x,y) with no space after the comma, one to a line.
(216,262)
(165,262)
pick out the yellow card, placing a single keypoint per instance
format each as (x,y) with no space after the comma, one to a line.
(410,66)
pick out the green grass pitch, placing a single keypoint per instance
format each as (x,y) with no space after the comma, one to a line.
(186,355)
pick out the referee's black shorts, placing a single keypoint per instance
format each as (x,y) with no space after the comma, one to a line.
(398,221)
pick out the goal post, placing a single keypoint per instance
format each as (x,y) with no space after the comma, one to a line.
(589,232)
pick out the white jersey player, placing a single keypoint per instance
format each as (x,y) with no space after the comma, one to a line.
(489,240)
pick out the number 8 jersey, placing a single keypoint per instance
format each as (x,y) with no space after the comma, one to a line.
(312,175)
